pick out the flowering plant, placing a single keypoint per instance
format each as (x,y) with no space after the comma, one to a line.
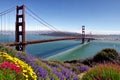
(10,71)
(11,66)
(108,71)
(26,71)
(83,68)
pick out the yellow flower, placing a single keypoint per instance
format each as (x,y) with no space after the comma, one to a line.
(27,71)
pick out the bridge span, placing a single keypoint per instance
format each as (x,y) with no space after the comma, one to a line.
(44,41)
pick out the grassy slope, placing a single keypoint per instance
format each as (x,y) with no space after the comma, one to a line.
(47,66)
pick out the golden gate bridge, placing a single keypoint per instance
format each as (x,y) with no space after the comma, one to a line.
(20,29)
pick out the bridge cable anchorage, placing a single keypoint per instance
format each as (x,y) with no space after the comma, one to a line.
(41,22)
(7,11)
(42,19)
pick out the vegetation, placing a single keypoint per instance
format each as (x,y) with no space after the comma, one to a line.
(106,55)
(14,65)
(32,68)
(105,66)
(107,71)
(10,71)
(7,49)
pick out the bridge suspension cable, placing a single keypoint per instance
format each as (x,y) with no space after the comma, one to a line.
(7,11)
(4,24)
(40,20)
(1,24)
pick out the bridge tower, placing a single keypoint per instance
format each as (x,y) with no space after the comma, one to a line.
(90,36)
(20,28)
(83,34)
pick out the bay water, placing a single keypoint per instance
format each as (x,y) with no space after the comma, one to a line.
(63,50)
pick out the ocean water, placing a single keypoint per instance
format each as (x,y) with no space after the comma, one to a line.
(43,50)
(63,50)
(85,51)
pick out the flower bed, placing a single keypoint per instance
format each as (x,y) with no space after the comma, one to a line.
(16,64)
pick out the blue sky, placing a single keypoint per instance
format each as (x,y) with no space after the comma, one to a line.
(99,16)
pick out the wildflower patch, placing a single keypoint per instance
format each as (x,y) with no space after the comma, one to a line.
(18,66)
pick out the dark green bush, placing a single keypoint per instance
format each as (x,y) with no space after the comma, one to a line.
(106,55)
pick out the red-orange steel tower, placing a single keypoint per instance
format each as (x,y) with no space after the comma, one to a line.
(83,34)
(20,28)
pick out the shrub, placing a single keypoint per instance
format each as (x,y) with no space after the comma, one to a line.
(106,55)
(7,49)
(107,71)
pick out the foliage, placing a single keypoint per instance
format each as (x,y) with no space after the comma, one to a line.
(106,54)
(27,71)
(10,71)
(107,71)
(49,70)
(7,49)
(10,66)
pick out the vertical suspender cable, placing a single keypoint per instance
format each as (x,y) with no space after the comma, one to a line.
(1,28)
(5,32)
(8,25)
(1,25)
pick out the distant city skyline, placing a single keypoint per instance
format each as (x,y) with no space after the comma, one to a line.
(99,16)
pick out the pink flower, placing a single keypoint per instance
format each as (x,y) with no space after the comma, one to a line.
(108,79)
(10,66)
(94,79)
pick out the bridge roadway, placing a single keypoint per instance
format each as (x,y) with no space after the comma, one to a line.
(43,41)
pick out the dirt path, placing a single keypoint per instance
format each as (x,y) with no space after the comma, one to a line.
(80,75)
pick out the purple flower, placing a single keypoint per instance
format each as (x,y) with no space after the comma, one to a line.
(83,68)
(40,72)
(59,74)
(51,70)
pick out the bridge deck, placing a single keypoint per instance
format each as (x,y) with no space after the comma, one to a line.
(38,41)
(41,41)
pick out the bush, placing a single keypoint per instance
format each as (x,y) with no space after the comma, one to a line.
(7,49)
(106,55)
(103,72)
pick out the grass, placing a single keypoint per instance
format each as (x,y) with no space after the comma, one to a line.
(108,71)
